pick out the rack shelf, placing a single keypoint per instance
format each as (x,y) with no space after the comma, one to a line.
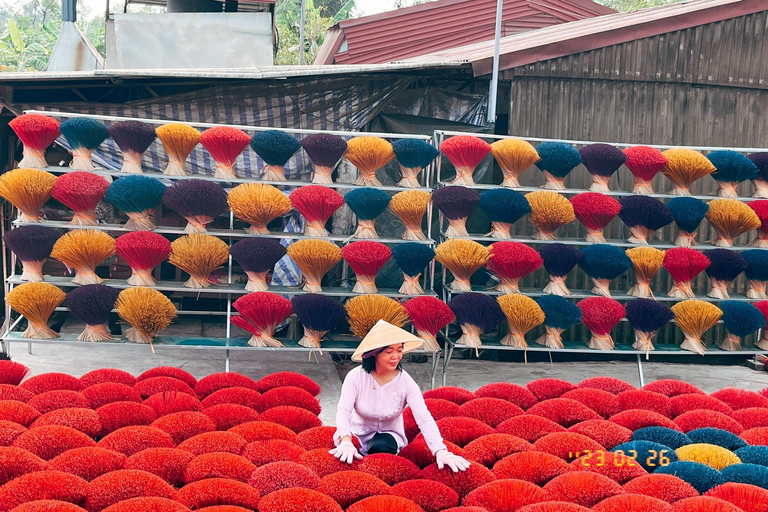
(615,294)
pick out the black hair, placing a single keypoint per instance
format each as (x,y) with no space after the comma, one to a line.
(369,364)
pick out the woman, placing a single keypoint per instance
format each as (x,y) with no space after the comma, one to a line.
(374,395)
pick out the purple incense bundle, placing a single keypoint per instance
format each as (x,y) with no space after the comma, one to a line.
(725,265)
(257,257)
(318,314)
(455,203)
(643,215)
(602,161)
(32,245)
(559,259)
(198,201)
(477,314)
(325,151)
(92,304)
(760,181)
(133,138)
(647,316)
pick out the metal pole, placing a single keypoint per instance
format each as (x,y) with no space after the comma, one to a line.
(301,31)
(494,90)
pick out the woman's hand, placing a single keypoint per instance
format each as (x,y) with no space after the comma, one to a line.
(456,463)
(346,451)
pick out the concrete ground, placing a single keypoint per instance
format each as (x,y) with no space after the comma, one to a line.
(470,374)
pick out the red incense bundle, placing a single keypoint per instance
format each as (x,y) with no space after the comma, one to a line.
(428,316)
(36,132)
(316,203)
(366,259)
(644,162)
(760,208)
(510,262)
(260,314)
(762,306)
(595,211)
(465,153)
(143,251)
(81,191)
(600,315)
(225,144)
(684,264)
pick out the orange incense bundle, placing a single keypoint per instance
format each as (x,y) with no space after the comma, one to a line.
(523,314)
(225,144)
(36,301)
(760,208)
(683,167)
(465,152)
(369,154)
(316,203)
(314,258)
(694,317)
(28,190)
(198,255)
(595,211)
(600,315)
(644,162)
(81,191)
(36,132)
(410,207)
(428,316)
(684,264)
(364,311)
(366,259)
(260,314)
(258,204)
(730,218)
(510,262)
(83,250)
(147,311)
(463,258)
(143,251)
(178,140)
(513,156)
(549,211)
(646,261)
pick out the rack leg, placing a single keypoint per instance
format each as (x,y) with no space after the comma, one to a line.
(226,360)
(640,370)
(29,348)
(447,361)
(435,364)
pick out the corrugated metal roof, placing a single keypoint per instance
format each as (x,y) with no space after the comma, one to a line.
(413,31)
(590,34)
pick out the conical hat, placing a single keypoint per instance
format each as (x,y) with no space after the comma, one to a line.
(384,334)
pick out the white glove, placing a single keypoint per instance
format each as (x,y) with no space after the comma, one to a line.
(346,452)
(456,463)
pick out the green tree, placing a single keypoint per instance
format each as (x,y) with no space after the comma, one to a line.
(634,5)
(317,22)
(18,55)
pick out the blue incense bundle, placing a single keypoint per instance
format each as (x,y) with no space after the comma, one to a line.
(688,213)
(559,259)
(717,437)
(559,315)
(700,476)
(750,474)
(662,435)
(32,246)
(92,304)
(413,155)
(133,138)
(367,204)
(456,203)
(603,263)
(412,258)
(137,197)
(740,319)
(760,182)
(477,314)
(275,148)
(83,135)
(756,272)
(557,160)
(725,265)
(646,316)
(643,215)
(731,168)
(601,160)
(257,257)
(325,151)
(503,207)
(318,314)
(198,201)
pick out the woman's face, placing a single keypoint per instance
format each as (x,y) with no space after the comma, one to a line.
(389,358)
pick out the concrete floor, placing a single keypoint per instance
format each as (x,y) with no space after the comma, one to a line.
(470,374)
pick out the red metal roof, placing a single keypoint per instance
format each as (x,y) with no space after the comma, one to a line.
(443,24)
(590,34)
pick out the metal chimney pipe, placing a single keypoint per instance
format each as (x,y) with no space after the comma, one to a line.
(69,10)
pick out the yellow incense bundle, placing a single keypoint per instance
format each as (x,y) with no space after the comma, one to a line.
(36,301)
(646,262)
(549,211)
(365,310)
(27,190)
(694,317)
(513,156)
(731,218)
(314,258)
(258,204)
(147,311)
(684,166)
(369,154)
(523,314)
(198,255)
(178,140)
(410,207)
(83,250)
(463,258)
